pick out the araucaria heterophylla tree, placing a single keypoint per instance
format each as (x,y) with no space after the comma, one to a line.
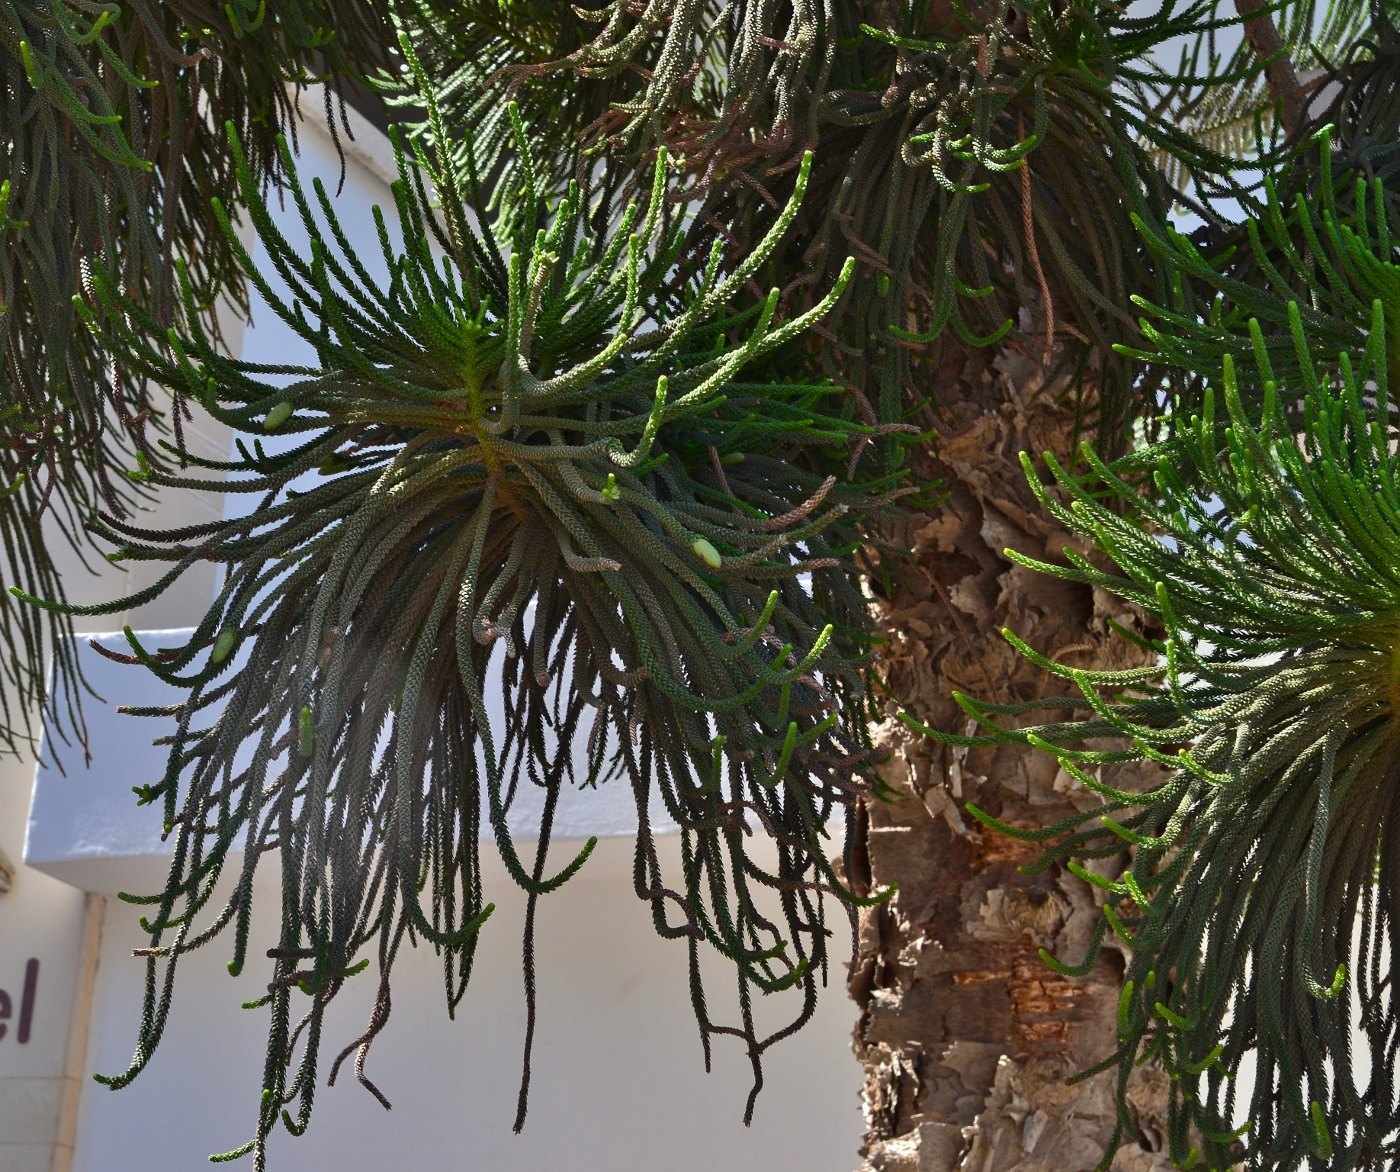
(691,398)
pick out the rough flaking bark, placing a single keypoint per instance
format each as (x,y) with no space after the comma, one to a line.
(966,1036)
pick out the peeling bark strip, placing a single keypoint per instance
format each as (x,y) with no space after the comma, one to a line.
(966,1036)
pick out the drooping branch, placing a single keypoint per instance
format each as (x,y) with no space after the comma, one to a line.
(518,500)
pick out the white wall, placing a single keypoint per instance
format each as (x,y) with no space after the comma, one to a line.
(43,921)
(52,922)
(618,1083)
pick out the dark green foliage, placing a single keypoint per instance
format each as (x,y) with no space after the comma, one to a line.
(1314,265)
(106,156)
(569,456)
(545,479)
(117,161)
(1025,145)
(1261,903)
(975,158)
(1364,106)
(1317,236)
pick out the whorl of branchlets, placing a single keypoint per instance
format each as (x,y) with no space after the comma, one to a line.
(974,158)
(545,479)
(1262,903)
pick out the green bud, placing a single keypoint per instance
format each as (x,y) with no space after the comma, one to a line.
(277,416)
(224,644)
(706,552)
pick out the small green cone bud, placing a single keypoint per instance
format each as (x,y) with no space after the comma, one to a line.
(611,492)
(706,552)
(277,416)
(224,644)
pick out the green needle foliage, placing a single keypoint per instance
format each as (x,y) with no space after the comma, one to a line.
(1365,108)
(1315,264)
(106,154)
(564,499)
(1316,246)
(543,478)
(109,154)
(1261,903)
(975,158)
(971,160)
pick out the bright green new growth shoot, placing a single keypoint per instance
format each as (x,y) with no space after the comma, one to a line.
(1315,263)
(544,479)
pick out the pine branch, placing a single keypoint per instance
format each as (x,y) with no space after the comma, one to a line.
(110,154)
(548,478)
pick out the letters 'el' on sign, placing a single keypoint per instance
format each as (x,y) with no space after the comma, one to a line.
(26,1004)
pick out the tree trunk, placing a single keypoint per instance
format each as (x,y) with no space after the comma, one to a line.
(966,1036)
